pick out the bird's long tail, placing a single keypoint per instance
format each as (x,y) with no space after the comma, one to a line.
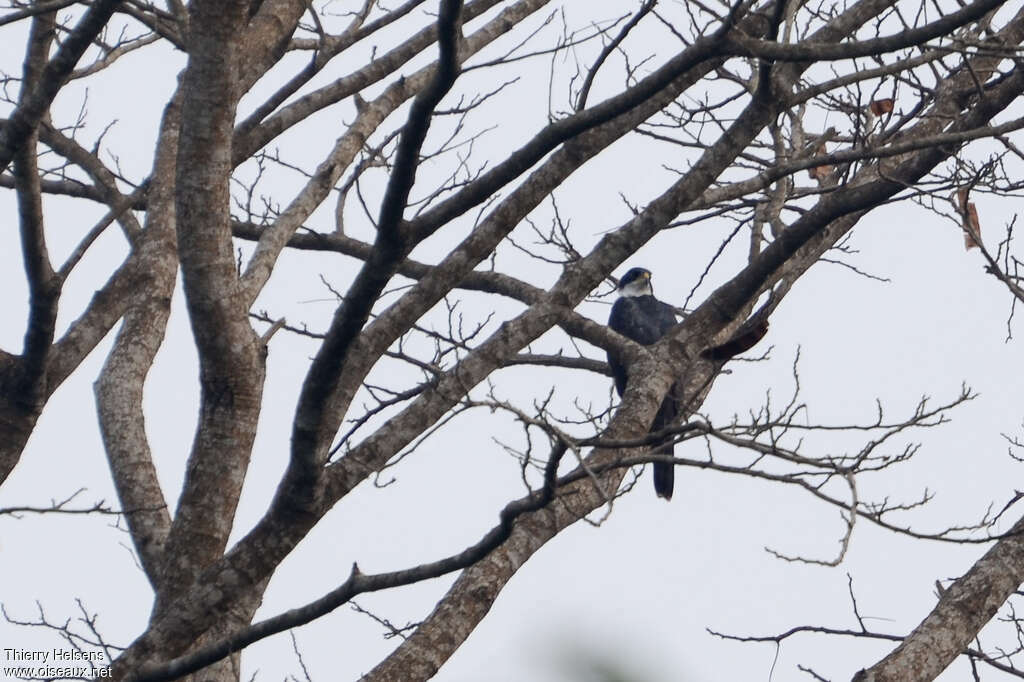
(664,472)
(664,477)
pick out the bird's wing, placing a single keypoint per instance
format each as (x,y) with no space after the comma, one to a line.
(618,321)
(666,315)
(636,318)
(643,319)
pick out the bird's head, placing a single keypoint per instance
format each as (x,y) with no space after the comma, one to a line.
(636,282)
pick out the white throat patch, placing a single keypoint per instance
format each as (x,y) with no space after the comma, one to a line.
(641,287)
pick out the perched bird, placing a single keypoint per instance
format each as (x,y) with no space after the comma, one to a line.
(639,316)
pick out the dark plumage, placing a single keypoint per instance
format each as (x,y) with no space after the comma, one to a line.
(639,316)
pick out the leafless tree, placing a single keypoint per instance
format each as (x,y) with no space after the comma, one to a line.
(367,130)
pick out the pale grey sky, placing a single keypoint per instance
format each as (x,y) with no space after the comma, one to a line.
(640,590)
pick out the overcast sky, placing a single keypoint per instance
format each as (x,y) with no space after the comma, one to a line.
(639,591)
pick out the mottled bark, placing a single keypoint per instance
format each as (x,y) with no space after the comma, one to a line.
(254,132)
(205,596)
(470,598)
(273,239)
(287,521)
(119,389)
(963,609)
(230,354)
(36,100)
(23,378)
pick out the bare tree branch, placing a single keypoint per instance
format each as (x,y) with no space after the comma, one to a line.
(23,120)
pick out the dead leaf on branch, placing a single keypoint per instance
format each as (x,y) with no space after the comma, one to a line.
(820,173)
(969,219)
(881,106)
